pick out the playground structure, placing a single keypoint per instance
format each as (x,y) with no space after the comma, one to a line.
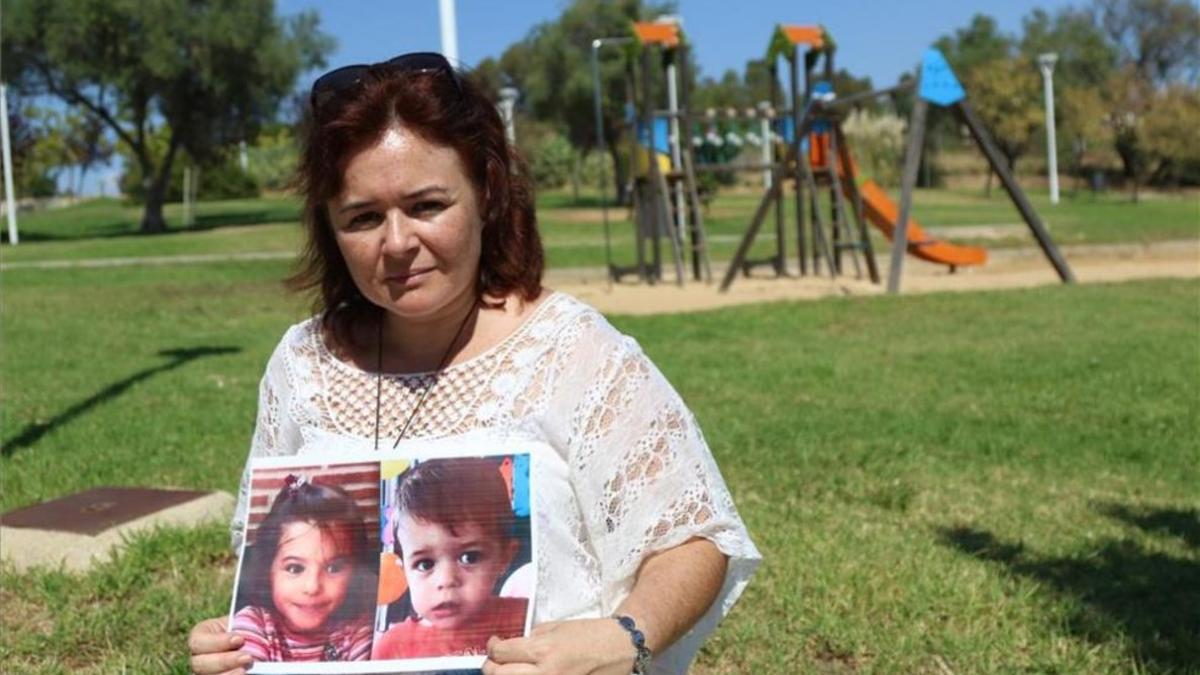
(803,144)
(665,199)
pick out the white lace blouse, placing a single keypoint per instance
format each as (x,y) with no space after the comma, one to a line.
(630,473)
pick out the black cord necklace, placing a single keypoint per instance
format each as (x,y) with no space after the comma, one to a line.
(424,392)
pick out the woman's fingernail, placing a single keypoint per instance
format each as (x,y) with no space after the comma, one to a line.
(245,660)
(237,640)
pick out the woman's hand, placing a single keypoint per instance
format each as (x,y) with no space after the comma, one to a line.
(214,649)
(579,647)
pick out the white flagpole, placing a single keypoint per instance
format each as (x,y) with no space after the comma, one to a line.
(449,31)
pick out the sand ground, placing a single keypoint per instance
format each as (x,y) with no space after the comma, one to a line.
(1006,268)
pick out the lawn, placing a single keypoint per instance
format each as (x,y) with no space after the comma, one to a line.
(574,234)
(973,482)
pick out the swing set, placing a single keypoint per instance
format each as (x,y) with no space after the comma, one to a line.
(803,144)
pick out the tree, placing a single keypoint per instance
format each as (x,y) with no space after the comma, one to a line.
(1084,131)
(86,145)
(551,68)
(727,92)
(209,72)
(731,91)
(1086,61)
(1159,38)
(1006,94)
(33,152)
(1127,97)
(980,42)
(1172,132)
(977,47)
(1085,57)
(273,157)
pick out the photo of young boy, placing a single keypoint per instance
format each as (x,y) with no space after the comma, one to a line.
(307,583)
(459,528)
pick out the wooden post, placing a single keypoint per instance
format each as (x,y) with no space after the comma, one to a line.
(912,161)
(695,232)
(652,174)
(775,191)
(700,243)
(743,248)
(798,155)
(979,133)
(631,174)
(664,207)
(835,206)
(780,262)
(820,244)
(841,214)
(850,182)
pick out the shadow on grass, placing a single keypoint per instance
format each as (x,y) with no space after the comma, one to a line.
(32,433)
(231,218)
(104,231)
(1121,589)
(114,229)
(1184,524)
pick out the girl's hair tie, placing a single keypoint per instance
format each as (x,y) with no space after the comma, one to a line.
(293,482)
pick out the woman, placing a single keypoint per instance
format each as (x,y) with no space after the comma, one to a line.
(432,322)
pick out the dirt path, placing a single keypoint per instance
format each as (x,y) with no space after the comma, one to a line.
(1007,268)
(1012,268)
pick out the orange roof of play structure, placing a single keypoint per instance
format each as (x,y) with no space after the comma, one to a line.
(813,36)
(661,33)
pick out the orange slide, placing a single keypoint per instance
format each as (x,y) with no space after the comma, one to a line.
(883,213)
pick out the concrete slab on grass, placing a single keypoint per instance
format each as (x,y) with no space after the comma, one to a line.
(80,530)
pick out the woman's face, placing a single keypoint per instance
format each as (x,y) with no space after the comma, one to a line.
(407,223)
(311,574)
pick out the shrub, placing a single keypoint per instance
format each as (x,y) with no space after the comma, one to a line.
(219,180)
(877,144)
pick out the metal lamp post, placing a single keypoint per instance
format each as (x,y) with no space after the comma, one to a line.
(1046,65)
(600,146)
(10,195)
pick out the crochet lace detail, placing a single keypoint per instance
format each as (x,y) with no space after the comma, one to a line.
(639,475)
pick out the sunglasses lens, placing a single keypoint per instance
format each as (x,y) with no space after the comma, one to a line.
(419,61)
(332,86)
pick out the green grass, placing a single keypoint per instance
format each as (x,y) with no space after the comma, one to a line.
(108,228)
(109,217)
(573,233)
(1081,218)
(981,481)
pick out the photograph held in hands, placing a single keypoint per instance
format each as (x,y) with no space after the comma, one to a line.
(384,563)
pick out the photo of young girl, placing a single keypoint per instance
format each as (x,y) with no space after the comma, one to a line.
(454,526)
(307,584)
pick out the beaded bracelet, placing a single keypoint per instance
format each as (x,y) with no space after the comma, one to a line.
(641,663)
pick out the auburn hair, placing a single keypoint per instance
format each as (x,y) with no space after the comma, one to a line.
(440,110)
(455,491)
(329,509)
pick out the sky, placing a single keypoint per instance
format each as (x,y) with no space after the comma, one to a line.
(876,38)
(879,39)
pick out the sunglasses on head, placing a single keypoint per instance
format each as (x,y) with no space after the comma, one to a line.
(334,85)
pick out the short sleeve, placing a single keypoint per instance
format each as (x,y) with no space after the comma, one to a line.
(253,625)
(646,479)
(275,433)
